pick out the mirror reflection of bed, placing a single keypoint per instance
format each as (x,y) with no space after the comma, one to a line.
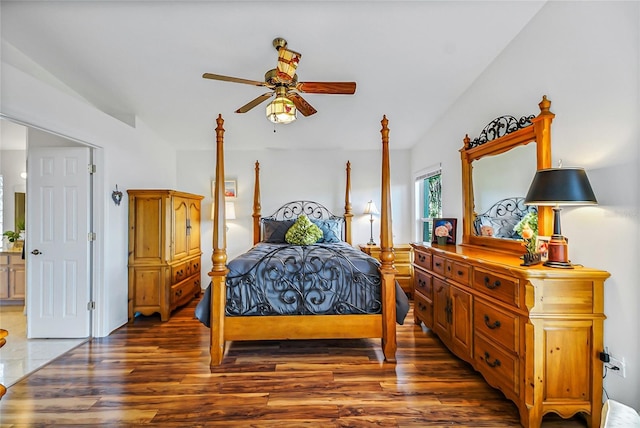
(502,177)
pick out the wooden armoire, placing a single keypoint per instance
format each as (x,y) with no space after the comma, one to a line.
(164,251)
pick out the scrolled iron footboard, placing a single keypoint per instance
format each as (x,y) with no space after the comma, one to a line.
(303,280)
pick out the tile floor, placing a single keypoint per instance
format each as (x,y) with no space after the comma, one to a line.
(19,356)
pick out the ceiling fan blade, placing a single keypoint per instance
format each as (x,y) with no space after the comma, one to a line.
(301,104)
(346,88)
(233,79)
(251,104)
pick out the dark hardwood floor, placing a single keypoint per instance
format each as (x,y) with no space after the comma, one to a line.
(151,373)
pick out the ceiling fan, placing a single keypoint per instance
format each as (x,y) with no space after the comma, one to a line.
(283,82)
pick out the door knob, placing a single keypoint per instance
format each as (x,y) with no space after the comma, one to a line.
(36,252)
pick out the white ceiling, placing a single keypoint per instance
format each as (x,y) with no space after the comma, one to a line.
(144,59)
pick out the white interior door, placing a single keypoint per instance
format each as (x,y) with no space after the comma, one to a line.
(58,248)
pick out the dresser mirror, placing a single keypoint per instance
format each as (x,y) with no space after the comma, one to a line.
(497,169)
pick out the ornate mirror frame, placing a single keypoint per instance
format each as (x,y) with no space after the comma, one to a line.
(500,136)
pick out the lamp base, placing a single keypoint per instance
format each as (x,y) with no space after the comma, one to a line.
(561,265)
(371,242)
(558,253)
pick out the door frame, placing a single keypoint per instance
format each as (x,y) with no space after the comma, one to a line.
(97,317)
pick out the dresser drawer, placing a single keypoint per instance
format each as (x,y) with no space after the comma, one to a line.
(402,255)
(403,270)
(422,259)
(459,272)
(498,326)
(438,264)
(423,283)
(500,368)
(423,309)
(498,286)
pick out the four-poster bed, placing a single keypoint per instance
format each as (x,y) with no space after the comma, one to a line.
(328,303)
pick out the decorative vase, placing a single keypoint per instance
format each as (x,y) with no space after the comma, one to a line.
(442,240)
(530,259)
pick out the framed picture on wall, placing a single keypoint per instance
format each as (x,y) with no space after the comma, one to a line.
(230,188)
(444,231)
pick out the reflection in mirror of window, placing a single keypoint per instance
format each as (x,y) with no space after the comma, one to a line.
(428,191)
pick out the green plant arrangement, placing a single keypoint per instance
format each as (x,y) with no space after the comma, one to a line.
(527,228)
(11,235)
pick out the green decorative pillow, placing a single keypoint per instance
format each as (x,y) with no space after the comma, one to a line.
(303,232)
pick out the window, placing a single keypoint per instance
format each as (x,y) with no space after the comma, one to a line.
(428,196)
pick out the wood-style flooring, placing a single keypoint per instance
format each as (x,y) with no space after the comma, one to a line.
(153,373)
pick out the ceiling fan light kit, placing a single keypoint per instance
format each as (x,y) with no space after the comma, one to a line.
(281,110)
(283,81)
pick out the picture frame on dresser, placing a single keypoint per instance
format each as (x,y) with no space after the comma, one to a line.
(542,247)
(450,224)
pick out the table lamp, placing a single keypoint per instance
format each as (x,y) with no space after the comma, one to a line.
(555,187)
(372,210)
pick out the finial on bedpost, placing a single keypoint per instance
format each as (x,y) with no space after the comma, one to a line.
(348,215)
(256,205)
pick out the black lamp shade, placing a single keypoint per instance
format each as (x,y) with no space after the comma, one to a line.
(560,186)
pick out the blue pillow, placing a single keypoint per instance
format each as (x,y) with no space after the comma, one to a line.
(274,230)
(331,230)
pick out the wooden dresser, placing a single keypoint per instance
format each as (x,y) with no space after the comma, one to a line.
(403,263)
(164,251)
(534,332)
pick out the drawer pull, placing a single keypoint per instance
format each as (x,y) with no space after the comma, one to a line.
(495,325)
(495,363)
(438,264)
(421,283)
(487,283)
(421,307)
(421,257)
(180,273)
(460,273)
(196,265)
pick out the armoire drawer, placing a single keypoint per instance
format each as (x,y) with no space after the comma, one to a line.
(184,291)
(179,272)
(194,266)
(498,326)
(500,287)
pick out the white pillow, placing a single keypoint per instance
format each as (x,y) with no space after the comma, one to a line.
(618,415)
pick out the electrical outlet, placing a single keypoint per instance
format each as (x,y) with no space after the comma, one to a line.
(616,362)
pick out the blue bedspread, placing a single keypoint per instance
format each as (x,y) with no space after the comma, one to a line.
(283,279)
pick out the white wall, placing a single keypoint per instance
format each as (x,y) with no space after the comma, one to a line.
(126,156)
(584,56)
(285,176)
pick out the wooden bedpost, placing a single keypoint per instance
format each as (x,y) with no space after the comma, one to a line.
(256,206)
(219,271)
(387,257)
(348,215)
